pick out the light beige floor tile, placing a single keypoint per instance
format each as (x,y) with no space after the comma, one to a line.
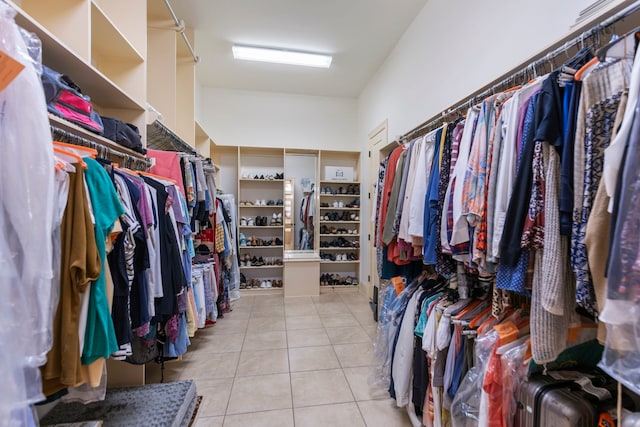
(354,355)
(372,330)
(360,307)
(215,396)
(354,298)
(303,322)
(230,326)
(217,365)
(307,338)
(268,311)
(326,309)
(265,341)
(300,310)
(351,335)
(261,393)
(312,358)
(239,313)
(340,415)
(297,300)
(320,388)
(215,344)
(208,422)
(327,297)
(244,301)
(365,319)
(263,362)
(383,413)
(265,324)
(339,321)
(279,418)
(358,379)
(268,301)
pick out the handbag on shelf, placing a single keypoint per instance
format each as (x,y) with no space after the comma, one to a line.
(65,99)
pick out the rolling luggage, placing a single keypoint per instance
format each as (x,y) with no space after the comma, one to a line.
(569,400)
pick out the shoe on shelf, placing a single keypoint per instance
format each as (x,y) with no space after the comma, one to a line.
(271,203)
(269,284)
(341,204)
(279,202)
(324,205)
(243,240)
(278,241)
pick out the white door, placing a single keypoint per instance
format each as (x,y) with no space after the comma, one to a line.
(378,140)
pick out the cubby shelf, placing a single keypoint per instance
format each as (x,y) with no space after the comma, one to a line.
(339,182)
(260,267)
(261,247)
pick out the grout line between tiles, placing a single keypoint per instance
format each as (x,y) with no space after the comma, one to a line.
(233,383)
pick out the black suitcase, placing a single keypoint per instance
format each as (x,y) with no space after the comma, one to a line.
(543,401)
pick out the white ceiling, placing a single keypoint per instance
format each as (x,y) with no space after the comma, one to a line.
(358,33)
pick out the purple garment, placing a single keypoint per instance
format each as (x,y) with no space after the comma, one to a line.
(144,208)
(176,205)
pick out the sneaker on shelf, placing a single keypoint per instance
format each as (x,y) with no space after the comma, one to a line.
(269,284)
(243,221)
(335,204)
(279,202)
(341,204)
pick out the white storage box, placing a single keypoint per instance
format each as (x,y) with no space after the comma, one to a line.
(338,173)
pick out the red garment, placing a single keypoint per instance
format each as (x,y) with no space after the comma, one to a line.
(167,165)
(386,193)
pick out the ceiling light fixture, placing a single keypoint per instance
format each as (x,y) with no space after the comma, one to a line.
(281,56)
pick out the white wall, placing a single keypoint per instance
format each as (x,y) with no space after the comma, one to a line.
(266,119)
(452,49)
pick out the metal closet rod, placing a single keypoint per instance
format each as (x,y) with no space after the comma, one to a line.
(530,70)
(180,26)
(132,162)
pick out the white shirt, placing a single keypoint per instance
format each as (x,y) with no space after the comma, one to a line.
(402,371)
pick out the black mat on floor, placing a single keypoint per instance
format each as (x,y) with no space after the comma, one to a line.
(158,405)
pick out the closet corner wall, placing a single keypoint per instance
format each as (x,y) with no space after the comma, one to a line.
(171,74)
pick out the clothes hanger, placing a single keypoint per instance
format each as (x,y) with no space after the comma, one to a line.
(153,175)
(480,318)
(503,349)
(622,47)
(69,156)
(580,73)
(77,149)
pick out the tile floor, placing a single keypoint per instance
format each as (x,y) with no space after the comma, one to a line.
(300,362)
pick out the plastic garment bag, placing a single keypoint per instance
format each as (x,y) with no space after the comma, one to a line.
(621,313)
(26,226)
(465,408)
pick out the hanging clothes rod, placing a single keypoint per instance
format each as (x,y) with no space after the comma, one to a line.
(126,160)
(523,73)
(180,25)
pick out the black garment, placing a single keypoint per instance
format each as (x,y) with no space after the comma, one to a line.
(510,248)
(550,112)
(120,308)
(173,279)
(566,168)
(139,296)
(420,367)
(420,376)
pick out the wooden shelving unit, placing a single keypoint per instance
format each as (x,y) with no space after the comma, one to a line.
(252,162)
(338,191)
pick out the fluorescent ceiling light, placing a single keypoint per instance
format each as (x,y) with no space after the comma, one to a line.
(280,56)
